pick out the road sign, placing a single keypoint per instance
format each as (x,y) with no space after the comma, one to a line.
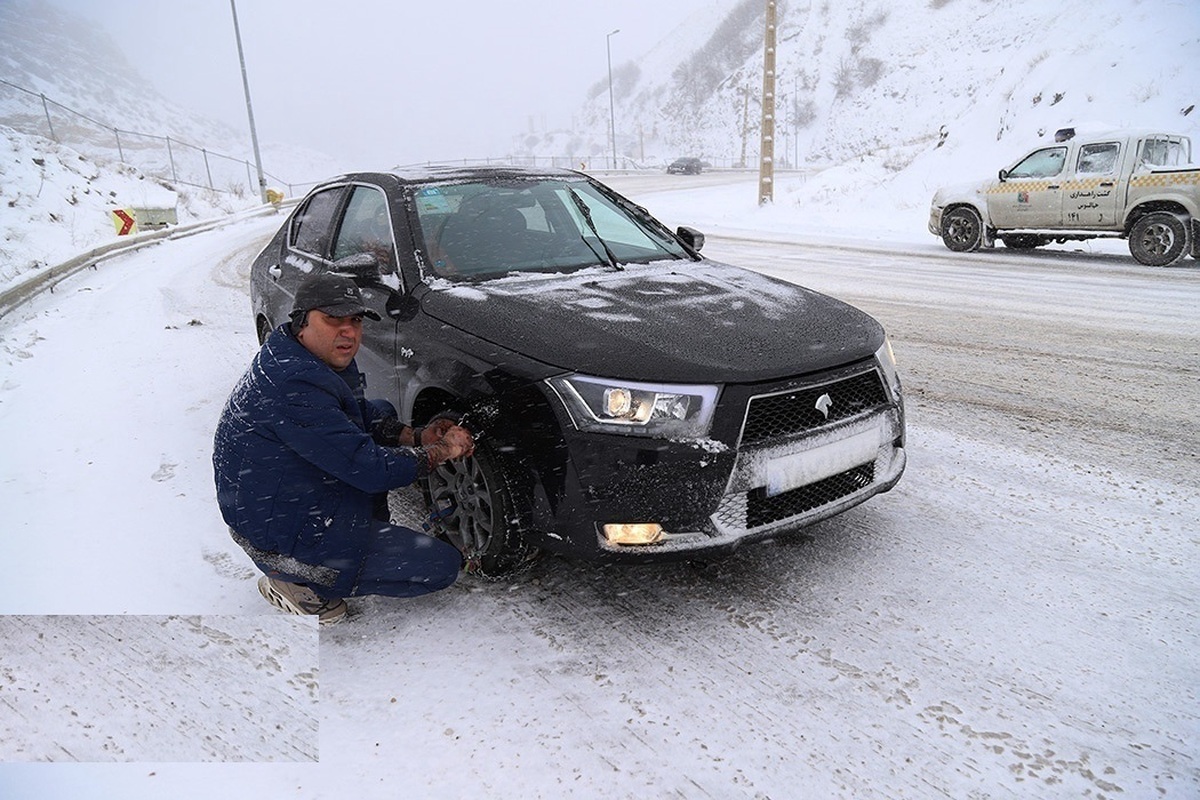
(124,222)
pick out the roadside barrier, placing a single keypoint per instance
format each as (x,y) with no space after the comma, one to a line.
(47,279)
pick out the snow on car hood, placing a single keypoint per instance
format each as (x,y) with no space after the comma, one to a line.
(967,189)
(667,321)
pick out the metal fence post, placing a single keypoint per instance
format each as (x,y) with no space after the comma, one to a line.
(120,152)
(46,109)
(207,168)
(171,157)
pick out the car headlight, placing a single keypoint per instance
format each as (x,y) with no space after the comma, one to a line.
(667,410)
(887,363)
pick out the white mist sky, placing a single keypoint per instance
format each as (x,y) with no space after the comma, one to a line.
(387,82)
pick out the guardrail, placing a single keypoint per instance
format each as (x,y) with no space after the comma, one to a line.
(164,157)
(47,279)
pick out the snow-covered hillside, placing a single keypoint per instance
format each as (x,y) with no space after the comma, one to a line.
(882,82)
(58,203)
(99,143)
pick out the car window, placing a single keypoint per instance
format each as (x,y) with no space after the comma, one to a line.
(1041,164)
(366,227)
(484,230)
(1162,151)
(1098,159)
(311,226)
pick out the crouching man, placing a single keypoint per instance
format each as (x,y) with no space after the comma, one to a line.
(302,460)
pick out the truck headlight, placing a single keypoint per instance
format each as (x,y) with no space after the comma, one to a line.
(887,363)
(667,411)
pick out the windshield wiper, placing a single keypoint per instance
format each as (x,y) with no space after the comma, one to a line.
(587,217)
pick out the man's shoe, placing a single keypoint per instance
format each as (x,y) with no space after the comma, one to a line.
(297,599)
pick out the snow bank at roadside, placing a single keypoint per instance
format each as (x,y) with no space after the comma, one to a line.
(59,203)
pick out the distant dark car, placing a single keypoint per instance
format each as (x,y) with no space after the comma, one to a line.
(632,400)
(685,166)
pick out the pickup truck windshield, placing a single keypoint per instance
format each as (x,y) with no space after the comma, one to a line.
(1041,164)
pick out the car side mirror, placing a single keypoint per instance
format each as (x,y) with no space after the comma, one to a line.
(1003,175)
(691,237)
(361,266)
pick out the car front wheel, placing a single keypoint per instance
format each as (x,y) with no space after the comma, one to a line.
(1159,239)
(962,229)
(478,511)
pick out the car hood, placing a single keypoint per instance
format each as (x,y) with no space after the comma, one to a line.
(957,191)
(670,321)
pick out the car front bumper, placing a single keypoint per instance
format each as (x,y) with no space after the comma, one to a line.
(710,498)
(935,220)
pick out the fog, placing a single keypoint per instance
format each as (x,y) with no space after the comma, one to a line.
(386,82)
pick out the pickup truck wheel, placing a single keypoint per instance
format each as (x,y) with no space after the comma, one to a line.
(1159,239)
(482,515)
(962,229)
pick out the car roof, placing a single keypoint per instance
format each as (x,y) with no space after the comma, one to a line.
(1089,134)
(441,173)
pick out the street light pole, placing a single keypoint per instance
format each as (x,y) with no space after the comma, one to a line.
(612,114)
(262,183)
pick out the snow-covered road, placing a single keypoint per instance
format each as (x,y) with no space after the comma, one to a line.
(1018,618)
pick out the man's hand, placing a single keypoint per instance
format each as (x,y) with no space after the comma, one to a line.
(453,442)
(435,430)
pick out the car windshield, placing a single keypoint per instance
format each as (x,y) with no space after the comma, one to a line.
(1042,164)
(483,230)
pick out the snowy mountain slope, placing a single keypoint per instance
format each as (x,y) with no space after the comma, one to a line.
(92,89)
(58,202)
(48,51)
(60,178)
(866,79)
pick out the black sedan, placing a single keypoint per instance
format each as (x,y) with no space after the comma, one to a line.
(632,400)
(685,166)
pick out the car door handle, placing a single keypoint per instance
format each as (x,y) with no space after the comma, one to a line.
(1054,186)
(275,271)
(1107,183)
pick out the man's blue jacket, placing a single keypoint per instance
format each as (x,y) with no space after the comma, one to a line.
(297,469)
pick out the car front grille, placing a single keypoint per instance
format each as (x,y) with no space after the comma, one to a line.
(790,420)
(771,417)
(762,510)
(747,512)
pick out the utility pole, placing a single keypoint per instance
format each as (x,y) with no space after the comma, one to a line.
(766,156)
(262,182)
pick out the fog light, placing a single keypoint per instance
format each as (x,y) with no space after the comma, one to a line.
(633,533)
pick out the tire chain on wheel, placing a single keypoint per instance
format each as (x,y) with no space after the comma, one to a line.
(476,420)
(527,553)
(472,562)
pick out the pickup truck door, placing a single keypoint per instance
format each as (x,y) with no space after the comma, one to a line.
(1093,198)
(1030,195)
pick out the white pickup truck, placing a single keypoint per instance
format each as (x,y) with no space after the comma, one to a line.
(1135,185)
